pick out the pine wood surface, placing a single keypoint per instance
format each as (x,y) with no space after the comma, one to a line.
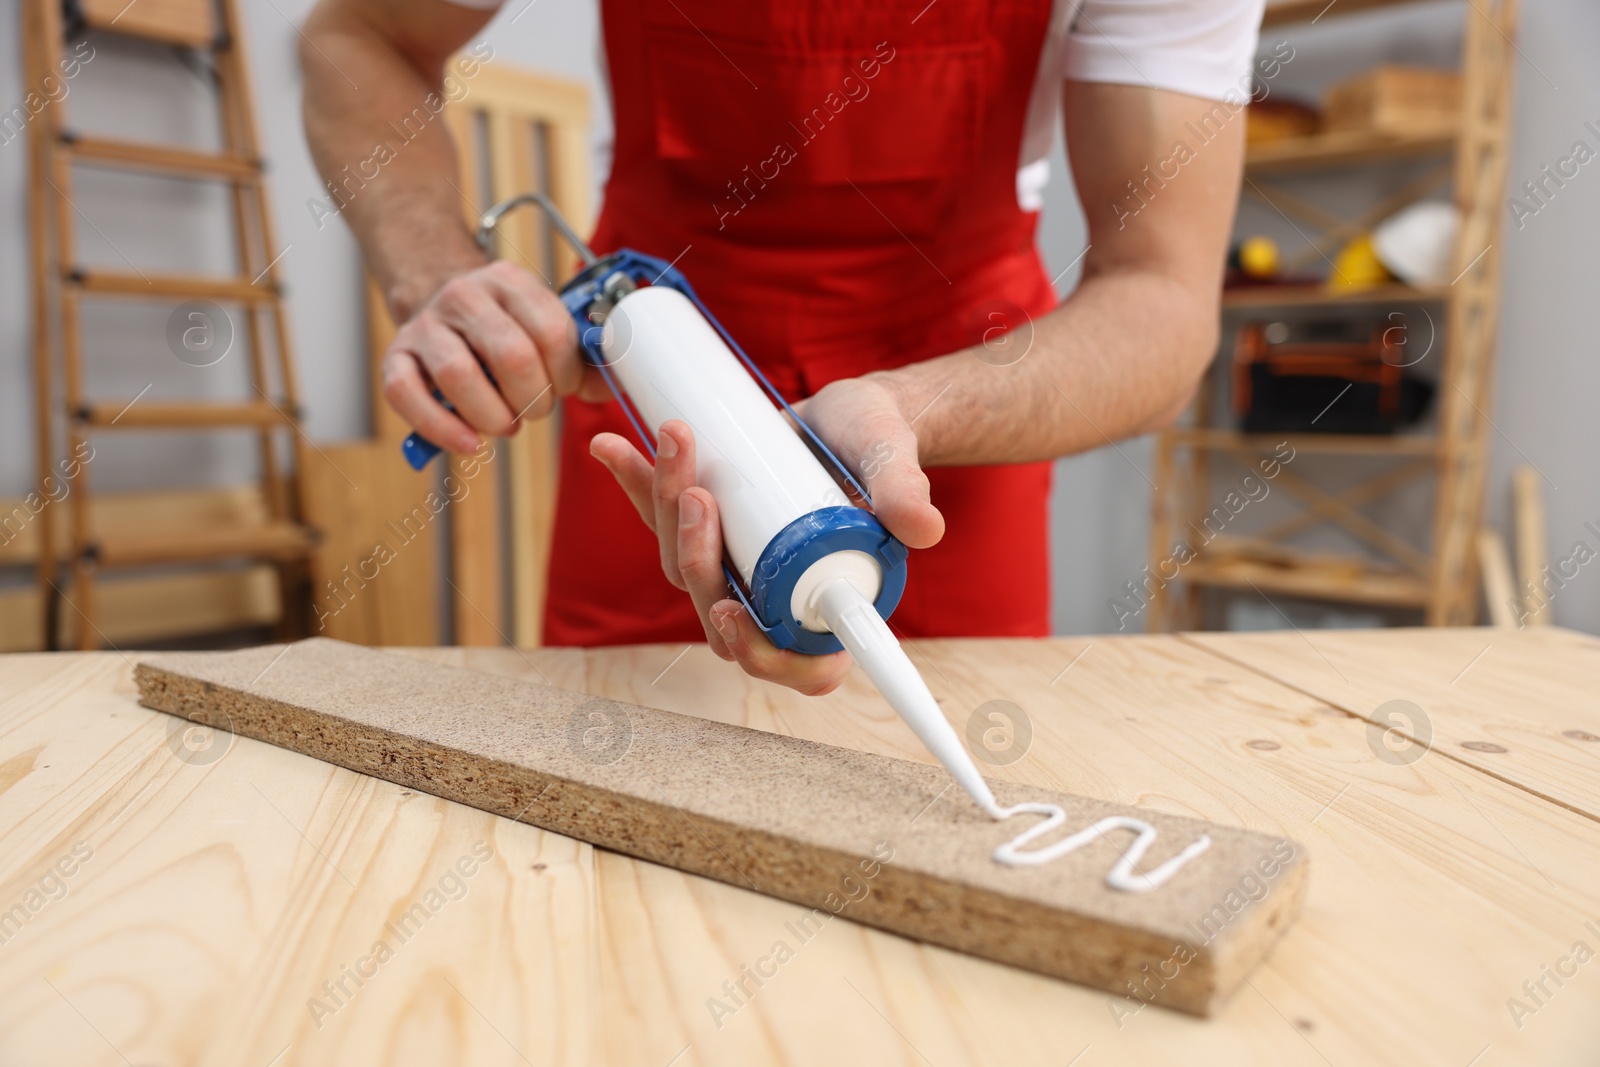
(218,896)
(881,841)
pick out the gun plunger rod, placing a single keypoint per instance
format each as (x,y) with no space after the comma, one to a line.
(491,218)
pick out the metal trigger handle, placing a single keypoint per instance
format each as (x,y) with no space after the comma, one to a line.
(418,450)
(491,219)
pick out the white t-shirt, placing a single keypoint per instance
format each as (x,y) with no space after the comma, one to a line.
(1200,47)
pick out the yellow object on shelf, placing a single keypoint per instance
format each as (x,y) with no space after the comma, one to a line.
(1257,257)
(1358,267)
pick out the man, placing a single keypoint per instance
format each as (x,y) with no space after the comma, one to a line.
(854,192)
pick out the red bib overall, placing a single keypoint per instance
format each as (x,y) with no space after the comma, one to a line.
(838,182)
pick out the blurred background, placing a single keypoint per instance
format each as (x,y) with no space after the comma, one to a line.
(1410,306)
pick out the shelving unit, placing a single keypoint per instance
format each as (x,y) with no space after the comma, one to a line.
(1341,147)
(1441,581)
(1283,296)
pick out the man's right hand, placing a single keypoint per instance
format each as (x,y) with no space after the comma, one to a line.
(494,320)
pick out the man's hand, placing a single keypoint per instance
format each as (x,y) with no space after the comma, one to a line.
(861,422)
(496,320)
(462,320)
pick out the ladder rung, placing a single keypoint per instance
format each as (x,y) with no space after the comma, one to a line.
(195,287)
(182,162)
(126,416)
(186,22)
(276,540)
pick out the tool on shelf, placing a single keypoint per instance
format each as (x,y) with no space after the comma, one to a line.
(1286,379)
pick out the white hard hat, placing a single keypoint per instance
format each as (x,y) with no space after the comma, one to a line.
(1415,243)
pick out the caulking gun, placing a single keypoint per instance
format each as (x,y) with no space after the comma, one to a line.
(816,572)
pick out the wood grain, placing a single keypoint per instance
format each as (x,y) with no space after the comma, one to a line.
(208,917)
(859,835)
(1520,705)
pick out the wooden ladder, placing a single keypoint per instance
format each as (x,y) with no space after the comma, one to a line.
(61,285)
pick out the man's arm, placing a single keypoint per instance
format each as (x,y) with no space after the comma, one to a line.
(1122,355)
(370,65)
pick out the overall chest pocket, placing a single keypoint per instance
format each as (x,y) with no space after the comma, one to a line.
(877,113)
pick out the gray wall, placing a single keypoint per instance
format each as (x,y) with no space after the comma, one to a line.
(1546,381)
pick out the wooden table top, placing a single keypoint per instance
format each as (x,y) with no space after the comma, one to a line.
(161,906)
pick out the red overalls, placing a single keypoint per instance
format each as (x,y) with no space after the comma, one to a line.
(838,182)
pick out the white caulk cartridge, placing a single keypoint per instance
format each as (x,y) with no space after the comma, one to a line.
(817,572)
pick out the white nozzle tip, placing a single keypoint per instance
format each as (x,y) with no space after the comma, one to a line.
(860,628)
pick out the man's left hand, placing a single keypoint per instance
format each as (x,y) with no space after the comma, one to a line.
(861,422)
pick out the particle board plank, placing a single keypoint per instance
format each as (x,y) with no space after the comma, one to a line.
(1419,896)
(1428,911)
(1520,705)
(201,897)
(817,825)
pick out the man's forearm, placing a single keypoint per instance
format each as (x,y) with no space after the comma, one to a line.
(396,190)
(1119,358)
(1123,354)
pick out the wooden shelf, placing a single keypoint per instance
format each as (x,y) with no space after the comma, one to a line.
(1344,148)
(1290,11)
(130,415)
(1329,443)
(172,286)
(190,23)
(162,159)
(1284,570)
(268,541)
(1291,296)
